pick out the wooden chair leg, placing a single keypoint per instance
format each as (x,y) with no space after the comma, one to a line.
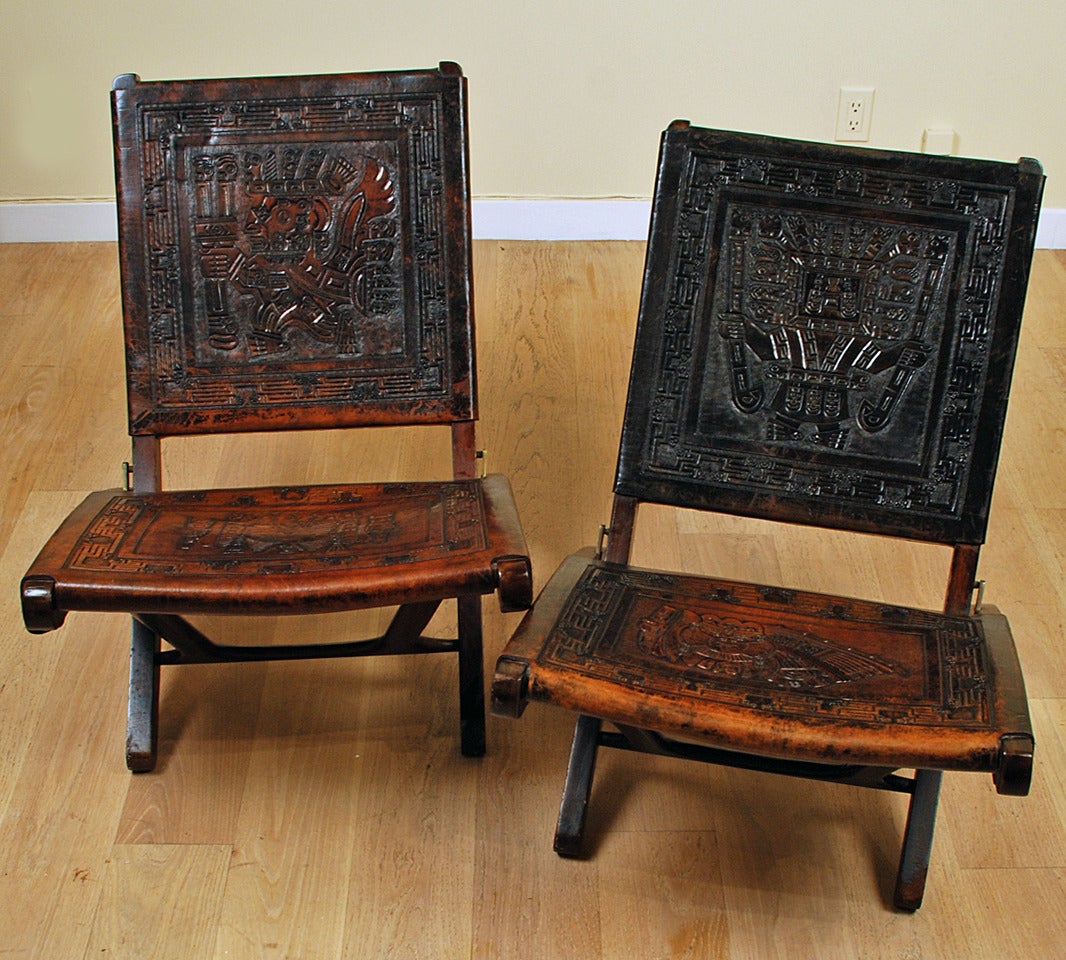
(570,831)
(142,719)
(471,678)
(918,840)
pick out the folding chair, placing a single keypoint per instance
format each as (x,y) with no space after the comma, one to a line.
(295,254)
(825,337)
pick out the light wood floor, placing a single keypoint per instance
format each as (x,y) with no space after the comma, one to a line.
(322,810)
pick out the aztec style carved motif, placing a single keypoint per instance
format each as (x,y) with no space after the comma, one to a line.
(752,651)
(824,306)
(744,645)
(800,319)
(281,258)
(282,244)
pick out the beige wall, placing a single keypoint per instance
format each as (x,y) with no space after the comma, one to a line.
(566,99)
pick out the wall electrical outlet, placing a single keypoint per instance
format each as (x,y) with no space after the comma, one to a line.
(854,111)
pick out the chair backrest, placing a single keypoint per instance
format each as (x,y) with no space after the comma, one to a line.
(826,334)
(295,252)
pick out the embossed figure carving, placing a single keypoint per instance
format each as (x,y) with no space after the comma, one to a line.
(826,306)
(826,338)
(750,652)
(310,528)
(222,536)
(305,246)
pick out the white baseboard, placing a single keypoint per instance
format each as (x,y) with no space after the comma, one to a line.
(561,219)
(43,222)
(57,222)
(1051,230)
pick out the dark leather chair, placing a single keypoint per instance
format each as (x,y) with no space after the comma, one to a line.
(825,337)
(295,254)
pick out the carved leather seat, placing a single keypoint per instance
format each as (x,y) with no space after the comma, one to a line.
(825,337)
(295,254)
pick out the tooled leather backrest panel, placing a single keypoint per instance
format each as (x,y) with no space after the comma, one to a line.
(295,251)
(826,334)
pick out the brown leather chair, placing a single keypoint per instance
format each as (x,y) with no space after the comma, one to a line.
(295,254)
(825,337)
